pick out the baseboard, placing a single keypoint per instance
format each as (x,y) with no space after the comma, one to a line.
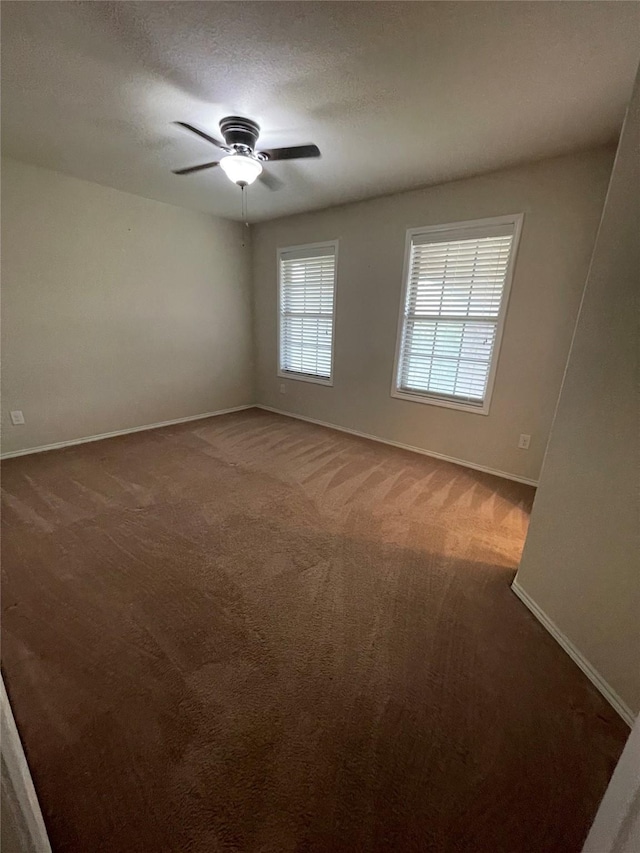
(485,470)
(20,794)
(592,674)
(59,444)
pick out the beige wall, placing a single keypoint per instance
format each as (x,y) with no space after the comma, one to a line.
(580,563)
(117,311)
(562,201)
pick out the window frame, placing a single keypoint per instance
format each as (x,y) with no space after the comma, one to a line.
(515,219)
(303,247)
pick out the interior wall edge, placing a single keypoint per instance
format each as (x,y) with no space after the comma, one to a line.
(616,828)
(506,475)
(18,786)
(579,560)
(576,656)
(58,445)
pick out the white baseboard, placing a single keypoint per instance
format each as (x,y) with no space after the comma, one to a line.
(18,788)
(504,474)
(59,444)
(592,674)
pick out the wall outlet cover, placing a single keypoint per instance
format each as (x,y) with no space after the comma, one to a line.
(524,442)
(17,418)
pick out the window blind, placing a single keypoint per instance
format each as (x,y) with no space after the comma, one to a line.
(454,297)
(307,295)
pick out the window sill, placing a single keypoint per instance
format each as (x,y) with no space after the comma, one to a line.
(306,377)
(440,401)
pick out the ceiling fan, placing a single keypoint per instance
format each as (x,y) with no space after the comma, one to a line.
(243,164)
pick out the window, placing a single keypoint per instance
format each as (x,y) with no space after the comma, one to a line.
(454,302)
(307,297)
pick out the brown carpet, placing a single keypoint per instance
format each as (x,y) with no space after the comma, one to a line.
(254,634)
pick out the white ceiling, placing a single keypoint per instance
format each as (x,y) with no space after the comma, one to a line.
(396,95)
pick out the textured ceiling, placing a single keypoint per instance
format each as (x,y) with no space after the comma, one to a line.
(397,95)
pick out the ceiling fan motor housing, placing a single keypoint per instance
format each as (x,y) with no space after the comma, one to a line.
(242,160)
(240,133)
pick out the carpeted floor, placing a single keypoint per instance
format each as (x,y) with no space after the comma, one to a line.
(254,634)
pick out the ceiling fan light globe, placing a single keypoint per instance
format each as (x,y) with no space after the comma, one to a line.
(240,169)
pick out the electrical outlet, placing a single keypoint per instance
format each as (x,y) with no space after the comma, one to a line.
(17,418)
(283,388)
(525,441)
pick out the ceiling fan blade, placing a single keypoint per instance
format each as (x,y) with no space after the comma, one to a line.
(203,135)
(199,168)
(270,181)
(297,152)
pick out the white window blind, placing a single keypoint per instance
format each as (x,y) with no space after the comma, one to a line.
(454,300)
(307,297)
